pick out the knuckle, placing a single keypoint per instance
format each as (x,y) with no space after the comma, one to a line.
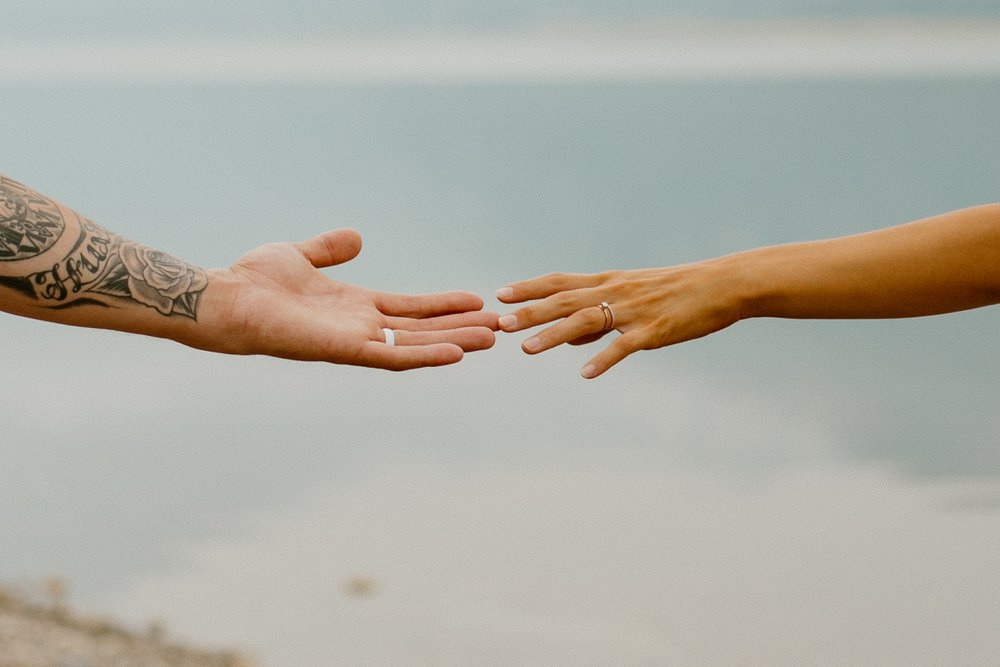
(591,317)
(525,315)
(525,319)
(558,279)
(562,300)
(629,344)
(608,276)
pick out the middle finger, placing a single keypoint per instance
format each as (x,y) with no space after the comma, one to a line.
(549,309)
(475,318)
(585,323)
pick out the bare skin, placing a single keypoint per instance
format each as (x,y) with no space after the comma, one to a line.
(56,265)
(942,264)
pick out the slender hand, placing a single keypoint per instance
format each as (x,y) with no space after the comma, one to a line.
(942,264)
(59,266)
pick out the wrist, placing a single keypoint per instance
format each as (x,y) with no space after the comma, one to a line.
(212,327)
(747,282)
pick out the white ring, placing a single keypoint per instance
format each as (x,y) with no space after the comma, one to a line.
(390,337)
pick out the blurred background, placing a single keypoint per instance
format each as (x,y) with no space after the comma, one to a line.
(783,492)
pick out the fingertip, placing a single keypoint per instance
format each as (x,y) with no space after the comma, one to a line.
(489,340)
(619,348)
(348,239)
(505,294)
(352,236)
(478,338)
(508,322)
(492,321)
(450,354)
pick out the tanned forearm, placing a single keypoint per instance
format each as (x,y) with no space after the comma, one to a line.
(57,265)
(941,264)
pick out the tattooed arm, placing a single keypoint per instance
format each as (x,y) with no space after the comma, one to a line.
(57,265)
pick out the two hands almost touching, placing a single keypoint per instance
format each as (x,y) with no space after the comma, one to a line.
(58,266)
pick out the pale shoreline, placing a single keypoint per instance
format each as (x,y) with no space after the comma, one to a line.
(38,635)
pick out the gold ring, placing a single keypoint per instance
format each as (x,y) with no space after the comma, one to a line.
(609,317)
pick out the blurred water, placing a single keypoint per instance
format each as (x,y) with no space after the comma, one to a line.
(783,492)
(109,19)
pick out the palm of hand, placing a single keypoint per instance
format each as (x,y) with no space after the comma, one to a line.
(284,306)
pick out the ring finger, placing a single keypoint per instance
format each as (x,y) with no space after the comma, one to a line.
(468,338)
(588,322)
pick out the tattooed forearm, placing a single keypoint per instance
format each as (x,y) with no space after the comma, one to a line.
(29,223)
(104,263)
(98,263)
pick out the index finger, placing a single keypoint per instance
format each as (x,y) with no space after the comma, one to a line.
(547,285)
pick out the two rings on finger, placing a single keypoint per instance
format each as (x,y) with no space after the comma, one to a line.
(390,337)
(609,317)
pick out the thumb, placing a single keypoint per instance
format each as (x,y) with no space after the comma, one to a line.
(330,248)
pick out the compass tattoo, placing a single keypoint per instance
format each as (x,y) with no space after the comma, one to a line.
(98,264)
(29,223)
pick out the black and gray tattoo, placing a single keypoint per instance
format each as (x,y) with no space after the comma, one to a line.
(29,223)
(98,263)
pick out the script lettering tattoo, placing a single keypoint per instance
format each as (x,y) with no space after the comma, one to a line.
(99,263)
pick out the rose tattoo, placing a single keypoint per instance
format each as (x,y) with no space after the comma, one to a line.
(161,281)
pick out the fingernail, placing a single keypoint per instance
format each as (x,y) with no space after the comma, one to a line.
(588,371)
(505,293)
(508,321)
(532,344)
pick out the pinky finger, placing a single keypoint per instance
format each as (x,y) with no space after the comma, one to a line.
(407,357)
(619,348)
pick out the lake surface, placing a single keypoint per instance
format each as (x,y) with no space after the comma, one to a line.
(779,493)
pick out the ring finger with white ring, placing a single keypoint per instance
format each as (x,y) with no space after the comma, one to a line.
(469,339)
(586,323)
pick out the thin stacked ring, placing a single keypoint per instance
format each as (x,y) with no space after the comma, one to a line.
(609,317)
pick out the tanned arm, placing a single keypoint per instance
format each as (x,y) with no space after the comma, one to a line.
(937,265)
(57,265)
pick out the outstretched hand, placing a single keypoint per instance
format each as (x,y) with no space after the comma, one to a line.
(274,300)
(651,308)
